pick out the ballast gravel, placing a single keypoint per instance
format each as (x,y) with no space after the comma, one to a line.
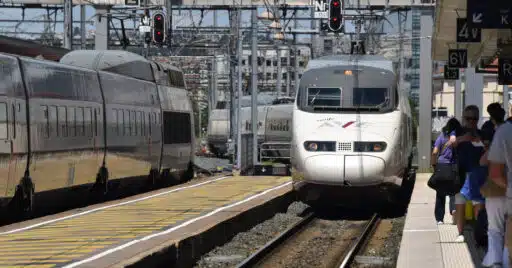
(246,243)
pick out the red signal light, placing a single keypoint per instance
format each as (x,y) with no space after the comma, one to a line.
(158,18)
(159,33)
(334,19)
(336,3)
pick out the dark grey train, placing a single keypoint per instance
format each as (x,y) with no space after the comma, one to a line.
(94,117)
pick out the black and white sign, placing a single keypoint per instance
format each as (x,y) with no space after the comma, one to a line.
(321,7)
(467,34)
(357,47)
(458,58)
(451,73)
(489,14)
(132,3)
(505,71)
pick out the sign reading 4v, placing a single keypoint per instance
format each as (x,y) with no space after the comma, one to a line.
(467,34)
(458,58)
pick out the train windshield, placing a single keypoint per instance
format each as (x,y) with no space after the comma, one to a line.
(348,99)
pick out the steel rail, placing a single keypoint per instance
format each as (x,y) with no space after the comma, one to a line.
(274,243)
(356,246)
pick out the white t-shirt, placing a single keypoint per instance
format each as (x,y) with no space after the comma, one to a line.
(500,152)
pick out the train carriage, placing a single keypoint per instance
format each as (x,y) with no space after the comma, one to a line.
(90,119)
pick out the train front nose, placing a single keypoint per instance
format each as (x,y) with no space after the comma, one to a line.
(344,169)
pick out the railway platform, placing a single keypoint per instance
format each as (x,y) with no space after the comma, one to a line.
(164,227)
(426,244)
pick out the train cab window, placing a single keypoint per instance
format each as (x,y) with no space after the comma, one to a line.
(3,121)
(62,116)
(46,122)
(87,121)
(54,123)
(71,121)
(80,121)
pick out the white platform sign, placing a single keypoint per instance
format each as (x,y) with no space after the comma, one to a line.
(321,9)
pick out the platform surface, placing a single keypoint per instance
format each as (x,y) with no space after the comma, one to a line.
(67,239)
(428,245)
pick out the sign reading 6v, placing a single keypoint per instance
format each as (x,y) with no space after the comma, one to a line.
(458,58)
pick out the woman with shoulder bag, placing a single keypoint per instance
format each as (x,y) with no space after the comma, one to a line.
(495,204)
(445,168)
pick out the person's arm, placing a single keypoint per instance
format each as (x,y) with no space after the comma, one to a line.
(496,158)
(435,151)
(483,160)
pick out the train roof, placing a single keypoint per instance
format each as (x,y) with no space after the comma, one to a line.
(375,61)
(115,61)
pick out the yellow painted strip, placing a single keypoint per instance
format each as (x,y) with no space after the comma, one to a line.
(31,266)
(84,234)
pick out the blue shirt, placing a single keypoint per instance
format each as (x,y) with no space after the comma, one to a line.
(474,180)
(445,156)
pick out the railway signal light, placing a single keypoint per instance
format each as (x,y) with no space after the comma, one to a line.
(159,28)
(335,17)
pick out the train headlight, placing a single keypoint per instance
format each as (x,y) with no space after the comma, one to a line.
(369,146)
(320,146)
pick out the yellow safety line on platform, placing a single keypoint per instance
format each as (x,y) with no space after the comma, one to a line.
(60,241)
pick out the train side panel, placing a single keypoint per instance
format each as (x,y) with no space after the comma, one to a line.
(178,129)
(13,127)
(66,134)
(133,126)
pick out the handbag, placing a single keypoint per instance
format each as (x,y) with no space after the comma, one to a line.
(446,176)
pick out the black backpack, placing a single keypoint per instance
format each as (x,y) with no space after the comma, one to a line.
(480,232)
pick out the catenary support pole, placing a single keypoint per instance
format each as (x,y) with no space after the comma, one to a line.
(425,117)
(254,85)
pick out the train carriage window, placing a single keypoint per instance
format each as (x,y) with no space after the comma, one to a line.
(120,121)
(96,122)
(87,121)
(143,114)
(126,122)
(80,121)
(133,123)
(116,121)
(62,114)
(139,121)
(45,125)
(176,127)
(3,121)
(13,121)
(149,123)
(71,121)
(54,123)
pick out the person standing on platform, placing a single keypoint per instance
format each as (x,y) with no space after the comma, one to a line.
(494,198)
(500,157)
(443,159)
(470,149)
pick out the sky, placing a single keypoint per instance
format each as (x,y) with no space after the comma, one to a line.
(183,19)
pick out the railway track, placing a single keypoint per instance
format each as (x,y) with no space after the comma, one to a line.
(340,253)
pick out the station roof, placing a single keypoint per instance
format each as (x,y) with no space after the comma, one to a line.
(445,34)
(30,49)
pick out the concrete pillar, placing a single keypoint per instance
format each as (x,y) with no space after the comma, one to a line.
(474,89)
(458,100)
(101,36)
(425,107)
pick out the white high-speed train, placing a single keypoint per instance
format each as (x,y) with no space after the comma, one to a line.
(352,130)
(274,137)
